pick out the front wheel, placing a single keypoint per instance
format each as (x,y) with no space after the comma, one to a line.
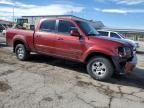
(100,68)
(21,52)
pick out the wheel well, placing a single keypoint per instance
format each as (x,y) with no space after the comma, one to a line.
(99,54)
(16,43)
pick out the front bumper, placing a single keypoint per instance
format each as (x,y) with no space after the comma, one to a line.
(130,65)
(119,64)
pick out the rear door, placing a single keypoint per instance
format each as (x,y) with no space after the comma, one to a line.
(45,37)
(66,45)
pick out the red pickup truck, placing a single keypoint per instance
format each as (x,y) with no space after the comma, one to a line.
(73,39)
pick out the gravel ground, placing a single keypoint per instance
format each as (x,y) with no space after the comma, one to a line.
(46,82)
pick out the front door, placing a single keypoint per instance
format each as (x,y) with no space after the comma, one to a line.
(66,45)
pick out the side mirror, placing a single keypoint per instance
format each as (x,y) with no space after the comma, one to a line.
(75,33)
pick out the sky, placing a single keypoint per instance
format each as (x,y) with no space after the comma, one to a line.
(113,13)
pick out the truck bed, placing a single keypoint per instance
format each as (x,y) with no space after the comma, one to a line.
(13,34)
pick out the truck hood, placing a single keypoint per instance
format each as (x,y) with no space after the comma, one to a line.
(114,40)
(132,42)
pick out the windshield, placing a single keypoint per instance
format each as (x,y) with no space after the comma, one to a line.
(87,28)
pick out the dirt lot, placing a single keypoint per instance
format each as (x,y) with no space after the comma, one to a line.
(45,82)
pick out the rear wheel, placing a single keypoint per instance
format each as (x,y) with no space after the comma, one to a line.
(21,52)
(100,68)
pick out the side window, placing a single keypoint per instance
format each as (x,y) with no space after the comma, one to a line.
(65,27)
(114,35)
(103,33)
(48,26)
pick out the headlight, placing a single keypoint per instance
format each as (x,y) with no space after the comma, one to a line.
(124,51)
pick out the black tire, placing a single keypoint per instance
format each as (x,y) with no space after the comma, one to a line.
(100,68)
(21,52)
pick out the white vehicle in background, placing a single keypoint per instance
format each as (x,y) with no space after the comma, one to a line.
(112,34)
(2,30)
(4,33)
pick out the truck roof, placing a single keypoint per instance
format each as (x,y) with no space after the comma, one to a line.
(61,17)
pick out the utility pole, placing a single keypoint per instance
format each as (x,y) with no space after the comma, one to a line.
(72,12)
(13,11)
(13,15)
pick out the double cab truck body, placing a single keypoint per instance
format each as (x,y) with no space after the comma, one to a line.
(73,39)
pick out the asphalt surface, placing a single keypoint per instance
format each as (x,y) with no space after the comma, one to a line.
(46,82)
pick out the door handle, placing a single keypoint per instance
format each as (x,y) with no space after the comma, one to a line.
(60,39)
